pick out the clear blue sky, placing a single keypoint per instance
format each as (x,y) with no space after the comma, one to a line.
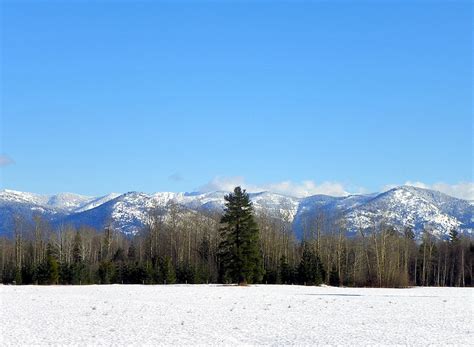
(100,97)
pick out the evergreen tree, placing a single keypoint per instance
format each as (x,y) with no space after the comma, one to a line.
(42,273)
(105,272)
(77,249)
(167,271)
(53,267)
(78,273)
(27,273)
(9,273)
(118,273)
(454,241)
(203,273)
(310,270)
(78,266)
(47,271)
(334,278)
(239,250)
(185,273)
(65,273)
(17,275)
(271,276)
(136,273)
(286,273)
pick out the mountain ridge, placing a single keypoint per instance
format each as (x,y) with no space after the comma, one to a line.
(400,206)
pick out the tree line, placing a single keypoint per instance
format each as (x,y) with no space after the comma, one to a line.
(242,246)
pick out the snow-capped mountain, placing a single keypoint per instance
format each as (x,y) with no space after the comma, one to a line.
(414,207)
(402,206)
(66,202)
(129,212)
(52,208)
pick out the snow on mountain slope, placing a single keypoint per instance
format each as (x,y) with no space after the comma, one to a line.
(52,208)
(94,202)
(67,202)
(8,195)
(414,207)
(127,212)
(400,207)
(130,212)
(326,209)
(277,205)
(204,202)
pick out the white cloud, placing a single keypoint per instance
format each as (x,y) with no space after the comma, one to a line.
(297,189)
(5,160)
(461,190)
(307,188)
(226,184)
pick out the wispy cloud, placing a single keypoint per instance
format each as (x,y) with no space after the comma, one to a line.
(225,184)
(307,188)
(297,189)
(5,160)
(461,190)
(176,177)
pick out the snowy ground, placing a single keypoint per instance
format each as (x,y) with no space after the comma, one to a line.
(134,314)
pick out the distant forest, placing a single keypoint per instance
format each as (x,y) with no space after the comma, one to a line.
(178,246)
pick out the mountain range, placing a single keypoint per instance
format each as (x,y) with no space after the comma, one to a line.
(403,206)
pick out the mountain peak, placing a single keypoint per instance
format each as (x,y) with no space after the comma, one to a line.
(401,206)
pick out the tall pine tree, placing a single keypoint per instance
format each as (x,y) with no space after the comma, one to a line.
(239,250)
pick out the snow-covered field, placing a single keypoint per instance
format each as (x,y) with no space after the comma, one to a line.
(180,314)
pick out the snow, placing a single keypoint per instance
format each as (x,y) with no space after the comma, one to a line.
(415,207)
(97,202)
(216,314)
(400,207)
(66,202)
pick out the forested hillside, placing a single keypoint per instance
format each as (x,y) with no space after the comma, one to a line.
(128,213)
(176,247)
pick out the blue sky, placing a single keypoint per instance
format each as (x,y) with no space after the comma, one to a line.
(161,96)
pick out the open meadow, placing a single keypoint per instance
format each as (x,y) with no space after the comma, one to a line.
(217,314)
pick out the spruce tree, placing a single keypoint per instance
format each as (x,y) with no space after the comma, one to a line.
(65,273)
(53,269)
(203,271)
(17,275)
(239,250)
(286,273)
(167,271)
(78,266)
(105,272)
(53,265)
(47,271)
(310,270)
(77,248)
(334,279)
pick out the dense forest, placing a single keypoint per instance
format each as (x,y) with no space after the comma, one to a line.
(181,246)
